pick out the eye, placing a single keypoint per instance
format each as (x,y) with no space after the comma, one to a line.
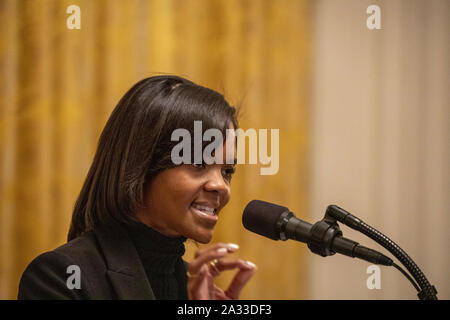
(228,172)
(199,165)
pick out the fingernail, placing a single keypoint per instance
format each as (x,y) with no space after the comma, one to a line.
(251,264)
(233,246)
(222,250)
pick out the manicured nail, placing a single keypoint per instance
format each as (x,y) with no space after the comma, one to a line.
(222,250)
(233,246)
(251,264)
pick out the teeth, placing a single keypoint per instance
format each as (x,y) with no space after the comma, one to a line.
(205,209)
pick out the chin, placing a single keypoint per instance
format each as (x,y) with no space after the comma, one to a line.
(203,239)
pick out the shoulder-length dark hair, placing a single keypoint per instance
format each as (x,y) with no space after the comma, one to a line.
(136,145)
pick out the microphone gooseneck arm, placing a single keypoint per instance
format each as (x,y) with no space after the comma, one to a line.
(325,239)
(428,291)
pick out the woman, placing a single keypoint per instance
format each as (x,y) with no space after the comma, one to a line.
(137,208)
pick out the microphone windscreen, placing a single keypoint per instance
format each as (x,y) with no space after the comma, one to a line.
(261,217)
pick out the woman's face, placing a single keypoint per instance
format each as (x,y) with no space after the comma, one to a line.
(186,200)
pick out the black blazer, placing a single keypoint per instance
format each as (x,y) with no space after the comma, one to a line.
(109,264)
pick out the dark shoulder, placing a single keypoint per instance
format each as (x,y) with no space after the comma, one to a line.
(47,275)
(80,248)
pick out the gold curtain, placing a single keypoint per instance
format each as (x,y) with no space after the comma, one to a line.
(58,87)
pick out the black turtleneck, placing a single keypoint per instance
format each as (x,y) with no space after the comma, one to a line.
(161,257)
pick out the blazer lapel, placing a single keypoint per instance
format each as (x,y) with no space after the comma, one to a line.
(125,270)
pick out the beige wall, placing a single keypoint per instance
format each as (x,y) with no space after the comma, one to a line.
(380,145)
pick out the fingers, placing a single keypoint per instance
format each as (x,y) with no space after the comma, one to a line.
(201,286)
(204,256)
(201,275)
(231,247)
(210,262)
(220,294)
(223,265)
(246,271)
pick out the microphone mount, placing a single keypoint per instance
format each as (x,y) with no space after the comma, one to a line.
(322,235)
(326,239)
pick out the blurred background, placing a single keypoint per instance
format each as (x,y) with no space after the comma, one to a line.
(363,118)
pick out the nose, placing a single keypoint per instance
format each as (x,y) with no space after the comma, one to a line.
(216,182)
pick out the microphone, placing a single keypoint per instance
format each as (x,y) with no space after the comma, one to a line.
(323,238)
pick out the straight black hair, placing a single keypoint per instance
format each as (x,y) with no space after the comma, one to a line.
(135,145)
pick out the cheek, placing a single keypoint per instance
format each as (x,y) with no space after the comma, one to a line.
(184,191)
(226,198)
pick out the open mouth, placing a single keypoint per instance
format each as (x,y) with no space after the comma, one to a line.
(207,210)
